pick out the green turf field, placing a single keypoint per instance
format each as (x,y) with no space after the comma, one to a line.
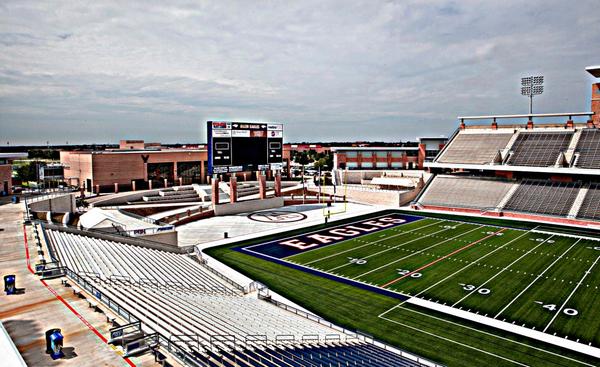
(543,281)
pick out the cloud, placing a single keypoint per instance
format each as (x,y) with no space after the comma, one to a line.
(336,70)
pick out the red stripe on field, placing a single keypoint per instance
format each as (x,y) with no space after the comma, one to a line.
(86,323)
(442,258)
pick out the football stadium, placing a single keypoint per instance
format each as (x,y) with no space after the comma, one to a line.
(491,257)
(475,243)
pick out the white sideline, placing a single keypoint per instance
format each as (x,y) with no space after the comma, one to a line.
(566,235)
(502,325)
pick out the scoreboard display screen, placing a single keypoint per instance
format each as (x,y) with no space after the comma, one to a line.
(244,146)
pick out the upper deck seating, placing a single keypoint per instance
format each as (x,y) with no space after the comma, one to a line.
(540,149)
(480,148)
(588,148)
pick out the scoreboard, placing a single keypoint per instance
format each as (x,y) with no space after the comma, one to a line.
(244,146)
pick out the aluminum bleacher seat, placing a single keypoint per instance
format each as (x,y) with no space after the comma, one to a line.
(590,208)
(463,192)
(218,320)
(480,148)
(543,197)
(110,260)
(588,148)
(540,149)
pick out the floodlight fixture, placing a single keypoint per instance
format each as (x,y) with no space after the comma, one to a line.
(532,86)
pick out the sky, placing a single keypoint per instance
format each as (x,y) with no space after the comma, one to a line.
(100,71)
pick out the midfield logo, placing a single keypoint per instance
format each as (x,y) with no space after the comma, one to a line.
(277,216)
(341,233)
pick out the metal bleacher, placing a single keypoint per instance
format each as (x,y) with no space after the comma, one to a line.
(590,207)
(588,149)
(540,149)
(465,192)
(206,320)
(475,148)
(543,197)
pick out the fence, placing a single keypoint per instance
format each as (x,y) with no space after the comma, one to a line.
(350,334)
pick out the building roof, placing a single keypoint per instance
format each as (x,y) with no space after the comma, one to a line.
(102,218)
(337,149)
(13,155)
(594,70)
(138,151)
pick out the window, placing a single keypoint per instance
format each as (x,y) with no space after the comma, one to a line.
(397,154)
(351,154)
(381,154)
(366,154)
(397,165)
(189,172)
(351,165)
(366,164)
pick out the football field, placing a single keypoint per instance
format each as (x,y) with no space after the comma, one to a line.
(542,281)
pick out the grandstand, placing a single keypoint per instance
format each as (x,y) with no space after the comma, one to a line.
(450,191)
(531,171)
(467,147)
(184,303)
(543,197)
(539,148)
(588,149)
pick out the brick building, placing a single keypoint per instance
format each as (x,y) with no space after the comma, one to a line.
(133,168)
(6,159)
(373,158)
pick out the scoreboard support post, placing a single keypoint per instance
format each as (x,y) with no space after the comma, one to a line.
(215,191)
(278,184)
(262,185)
(232,189)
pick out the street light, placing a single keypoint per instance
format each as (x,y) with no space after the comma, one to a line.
(532,86)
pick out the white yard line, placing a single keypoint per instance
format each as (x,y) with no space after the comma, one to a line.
(417,252)
(395,247)
(501,271)
(573,292)
(537,278)
(469,265)
(509,327)
(361,246)
(455,342)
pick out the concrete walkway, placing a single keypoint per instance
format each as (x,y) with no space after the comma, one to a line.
(27,316)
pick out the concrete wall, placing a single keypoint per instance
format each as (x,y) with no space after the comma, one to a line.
(111,237)
(248,206)
(595,105)
(168,238)
(60,204)
(374,197)
(78,167)
(121,198)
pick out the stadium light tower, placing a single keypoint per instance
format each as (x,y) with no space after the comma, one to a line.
(532,86)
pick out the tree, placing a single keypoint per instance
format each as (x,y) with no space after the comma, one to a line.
(28,171)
